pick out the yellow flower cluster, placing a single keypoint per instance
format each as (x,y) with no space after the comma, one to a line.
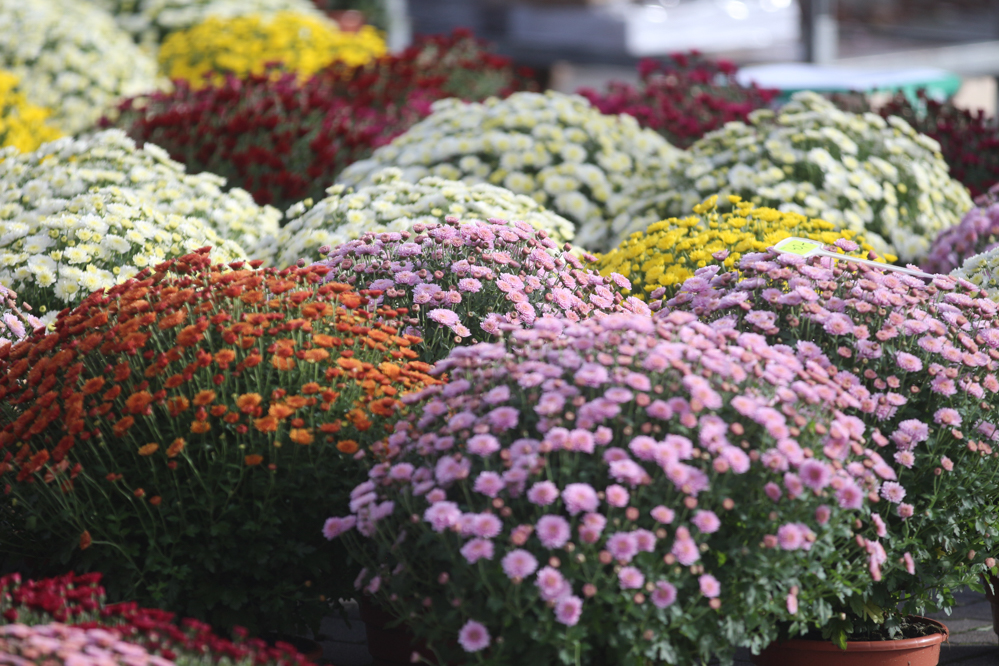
(669,252)
(22,125)
(245,45)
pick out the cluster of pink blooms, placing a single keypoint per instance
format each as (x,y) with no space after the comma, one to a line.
(16,321)
(497,455)
(474,278)
(62,645)
(978,232)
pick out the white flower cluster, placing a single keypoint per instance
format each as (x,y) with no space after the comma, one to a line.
(55,251)
(982,270)
(860,172)
(71,58)
(555,148)
(67,167)
(394,204)
(149,21)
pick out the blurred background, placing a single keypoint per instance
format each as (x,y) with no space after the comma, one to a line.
(949,47)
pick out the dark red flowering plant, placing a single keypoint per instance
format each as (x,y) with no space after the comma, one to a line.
(618,491)
(920,357)
(683,97)
(284,140)
(79,601)
(195,405)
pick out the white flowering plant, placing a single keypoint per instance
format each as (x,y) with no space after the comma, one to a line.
(861,172)
(68,167)
(601,492)
(72,58)
(391,203)
(462,282)
(920,359)
(149,21)
(62,250)
(555,148)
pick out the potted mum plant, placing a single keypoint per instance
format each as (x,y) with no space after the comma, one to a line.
(463,282)
(194,405)
(920,357)
(617,491)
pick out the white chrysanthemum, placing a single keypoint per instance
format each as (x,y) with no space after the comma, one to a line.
(546,146)
(982,270)
(335,220)
(861,172)
(72,58)
(151,20)
(110,158)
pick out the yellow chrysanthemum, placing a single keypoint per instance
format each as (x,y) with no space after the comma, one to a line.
(669,252)
(22,125)
(246,45)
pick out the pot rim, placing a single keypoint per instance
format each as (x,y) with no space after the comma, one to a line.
(877,646)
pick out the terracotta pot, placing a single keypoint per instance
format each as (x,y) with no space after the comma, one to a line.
(993,599)
(922,651)
(388,646)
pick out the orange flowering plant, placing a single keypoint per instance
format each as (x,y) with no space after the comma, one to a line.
(188,431)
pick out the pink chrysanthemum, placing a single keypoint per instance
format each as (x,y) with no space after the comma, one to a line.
(474,637)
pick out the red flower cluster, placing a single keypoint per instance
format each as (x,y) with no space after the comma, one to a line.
(79,601)
(683,98)
(283,140)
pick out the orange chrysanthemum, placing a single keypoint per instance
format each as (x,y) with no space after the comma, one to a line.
(253,459)
(347,446)
(92,386)
(300,436)
(137,402)
(248,402)
(148,449)
(175,448)
(200,427)
(266,424)
(202,398)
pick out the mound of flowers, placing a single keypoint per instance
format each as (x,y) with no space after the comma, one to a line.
(39,183)
(860,172)
(79,601)
(670,251)
(71,58)
(978,232)
(194,401)
(22,124)
(552,147)
(920,358)
(391,204)
(251,44)
(16,320)
(283,139)
(464,282)
(616,468)
(150,21)
(683,97)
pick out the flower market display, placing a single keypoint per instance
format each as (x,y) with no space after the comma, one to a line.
(670,251)
(21,645)
(16,320)
(251,44)
(391,204)
(71,58)
(920,359)
(466,282)
(284,140)
(150,21)
(606,492)
(79,601)
(555,148)
(683,98)
(860,172)
(978,232)
(22,125)
(202,404)
(37,184)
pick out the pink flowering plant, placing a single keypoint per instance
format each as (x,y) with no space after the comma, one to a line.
(616,491)
(461,283)
(16,320)
(978,232)
(920,357)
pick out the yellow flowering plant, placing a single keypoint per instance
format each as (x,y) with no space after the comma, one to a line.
(71,58)
(251,45)
(670,251)
(552,147)
(858,171)
(22,124)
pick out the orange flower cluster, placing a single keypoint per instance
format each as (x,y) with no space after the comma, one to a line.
(192,363)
